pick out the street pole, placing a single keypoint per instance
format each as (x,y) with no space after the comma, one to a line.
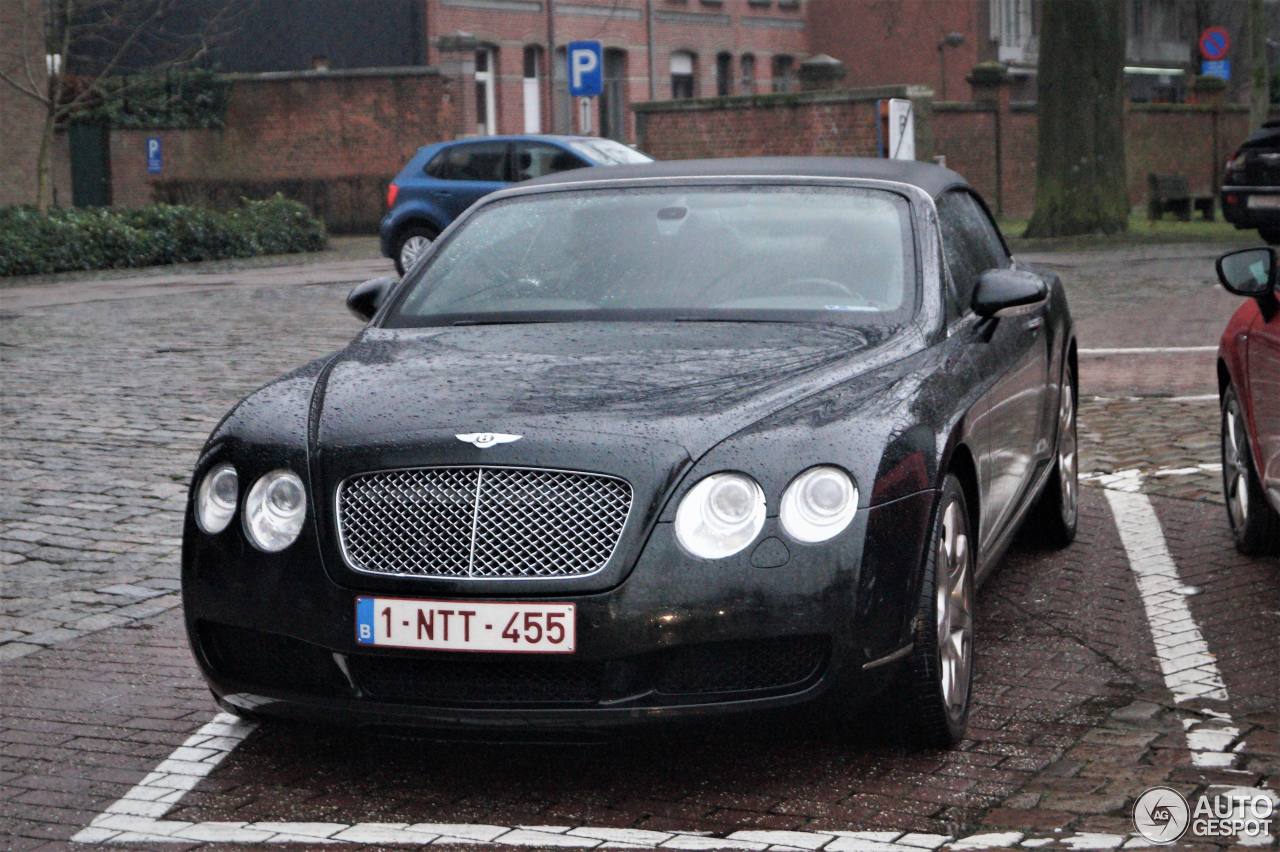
(653,60)
(552,117)
(1259,82)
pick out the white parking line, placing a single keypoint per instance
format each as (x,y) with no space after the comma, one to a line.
(1145,350)
(1194,397)
(1131,479)
(1189,669)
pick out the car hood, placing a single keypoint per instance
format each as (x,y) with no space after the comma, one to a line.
(639,401)
(687,384)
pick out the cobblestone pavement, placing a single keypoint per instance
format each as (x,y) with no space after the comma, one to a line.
(108,395)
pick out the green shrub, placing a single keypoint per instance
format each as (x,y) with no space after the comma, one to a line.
(100,238)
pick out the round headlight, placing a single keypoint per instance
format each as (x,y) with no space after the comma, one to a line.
(275,510)
(818,504)
(216,499)
(720,515)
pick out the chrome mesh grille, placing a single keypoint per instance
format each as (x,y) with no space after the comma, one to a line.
(481,522)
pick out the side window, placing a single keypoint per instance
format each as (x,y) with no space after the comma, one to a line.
(533,159)
(486,161)
(985,234)
(970,243)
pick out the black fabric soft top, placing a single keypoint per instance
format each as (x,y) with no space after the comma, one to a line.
(931,178)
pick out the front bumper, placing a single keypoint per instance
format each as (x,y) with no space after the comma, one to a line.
(679,637)
(1236,206)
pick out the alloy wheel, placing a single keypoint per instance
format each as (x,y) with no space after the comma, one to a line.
(954,609)
(1235,465)
(1067,459)
(412,249)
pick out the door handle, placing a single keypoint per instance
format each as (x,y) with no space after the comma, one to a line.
(1034,323)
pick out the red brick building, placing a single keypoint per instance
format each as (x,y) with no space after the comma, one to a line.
(654,50)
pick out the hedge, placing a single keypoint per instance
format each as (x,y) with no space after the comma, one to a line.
(103,238)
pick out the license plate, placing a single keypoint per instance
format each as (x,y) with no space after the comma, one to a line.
(1264,202)
(483,626)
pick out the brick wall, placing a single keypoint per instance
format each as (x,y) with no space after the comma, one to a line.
(963,133)
(1181,139)
(1158,138)
(888,42)
(21,117)
(824,123)
(332,140)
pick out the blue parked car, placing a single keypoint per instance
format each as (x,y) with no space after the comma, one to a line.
(446,178)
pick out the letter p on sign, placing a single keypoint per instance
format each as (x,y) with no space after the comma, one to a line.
(586,68)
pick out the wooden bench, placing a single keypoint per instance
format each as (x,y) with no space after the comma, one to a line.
(1170,194)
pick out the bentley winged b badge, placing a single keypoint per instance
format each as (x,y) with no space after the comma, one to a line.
(487,439)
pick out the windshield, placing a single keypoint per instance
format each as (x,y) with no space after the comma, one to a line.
(607,152)
(786,253)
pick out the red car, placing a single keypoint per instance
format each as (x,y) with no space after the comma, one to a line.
(1249,386)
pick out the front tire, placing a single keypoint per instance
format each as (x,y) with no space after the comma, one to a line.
(1255,526)
(410,245)
(941,664)
(1057,513)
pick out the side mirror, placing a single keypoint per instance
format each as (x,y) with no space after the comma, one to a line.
(364,299)
(1001,289)
(1248,272)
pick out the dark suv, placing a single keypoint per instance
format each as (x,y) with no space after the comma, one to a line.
(1251,185)
(442,180)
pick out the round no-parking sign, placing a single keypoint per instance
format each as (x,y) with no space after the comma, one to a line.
(1215,43)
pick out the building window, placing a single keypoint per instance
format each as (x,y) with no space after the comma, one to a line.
(724,74)
(682,82)
(1013,27)
(486,90)
(1154,20)
(613,100)
(747,64)
(784,68)
(532,89)
(562,104)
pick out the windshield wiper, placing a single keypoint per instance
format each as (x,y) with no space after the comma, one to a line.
(726,319)
(499,322)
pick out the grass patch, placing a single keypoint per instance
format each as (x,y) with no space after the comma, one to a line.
(1141,231)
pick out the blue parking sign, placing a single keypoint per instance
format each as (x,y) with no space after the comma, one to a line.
(586,68)
(1216,68)
(155,160)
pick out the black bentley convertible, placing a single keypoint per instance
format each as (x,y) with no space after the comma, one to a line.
(670,440)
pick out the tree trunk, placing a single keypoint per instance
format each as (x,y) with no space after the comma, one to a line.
(1080,168)
(44,166)
(1259,84)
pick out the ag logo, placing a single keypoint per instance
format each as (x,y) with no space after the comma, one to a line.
(1161,815)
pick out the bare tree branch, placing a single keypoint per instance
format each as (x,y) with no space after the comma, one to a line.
(17,85)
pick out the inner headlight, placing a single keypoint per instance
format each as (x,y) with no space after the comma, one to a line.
(720,515)
(818,504)
(216,499)
(275,510)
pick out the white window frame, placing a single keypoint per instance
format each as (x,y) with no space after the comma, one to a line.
(683,64)
(1011,28)
(487,81)
(532,89)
